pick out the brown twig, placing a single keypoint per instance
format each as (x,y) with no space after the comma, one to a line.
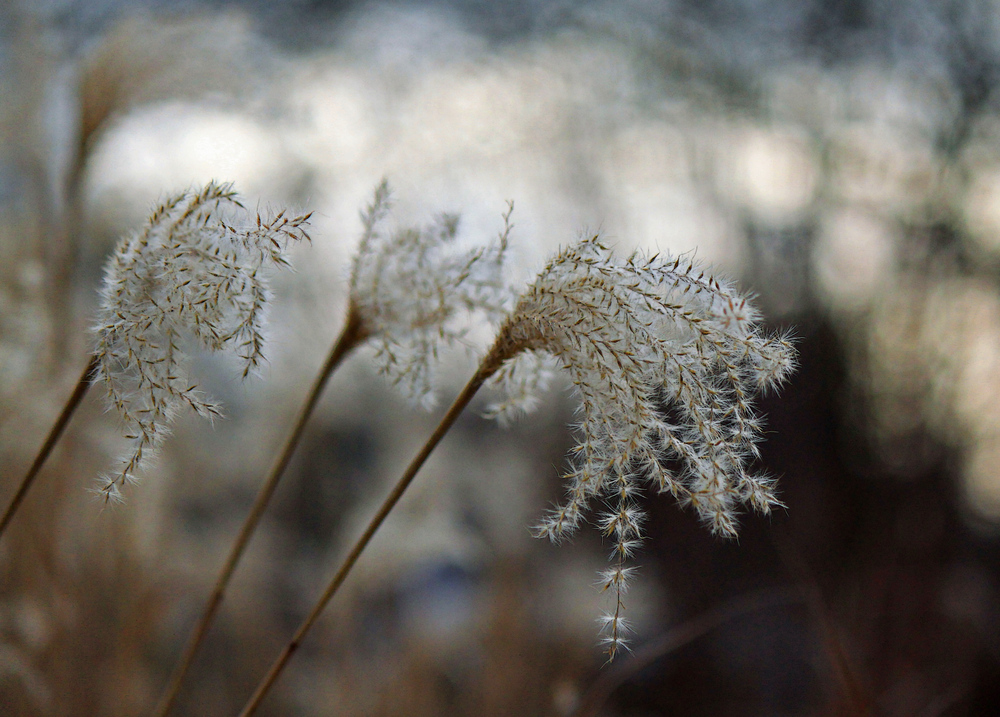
(55,433)
(675,638)
(846,672)
(487,368)
(352,334)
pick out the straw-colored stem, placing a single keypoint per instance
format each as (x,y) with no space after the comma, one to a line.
(74,401)
(844,669)
(689,631)
(485,371)
(352,334)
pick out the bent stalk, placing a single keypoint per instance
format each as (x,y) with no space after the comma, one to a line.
(486,369)
(352,334)
(55,433)
(683,634)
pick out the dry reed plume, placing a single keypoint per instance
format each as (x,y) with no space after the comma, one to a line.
(666,361)
(193,274)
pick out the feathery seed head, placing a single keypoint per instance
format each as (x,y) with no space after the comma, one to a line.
(409,289)
(195,272)
(666,361)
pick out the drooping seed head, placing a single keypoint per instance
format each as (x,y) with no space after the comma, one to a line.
(410,289)
(666,361)
(195,274)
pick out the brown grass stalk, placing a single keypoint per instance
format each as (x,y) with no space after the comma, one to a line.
(487,368)
(55,433)
(675,638)
(350,337)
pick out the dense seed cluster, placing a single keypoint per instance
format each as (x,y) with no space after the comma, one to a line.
(410,290)
(666,361)
(193,274)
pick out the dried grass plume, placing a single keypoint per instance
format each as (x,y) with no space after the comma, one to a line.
(195,274)
(666,361)
(410,291)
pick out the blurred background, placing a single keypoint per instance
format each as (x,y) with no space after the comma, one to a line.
(839,158)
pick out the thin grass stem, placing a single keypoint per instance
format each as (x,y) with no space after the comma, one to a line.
(847,674)
(350,337)
(675,638)
(55,433)
(486,369)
